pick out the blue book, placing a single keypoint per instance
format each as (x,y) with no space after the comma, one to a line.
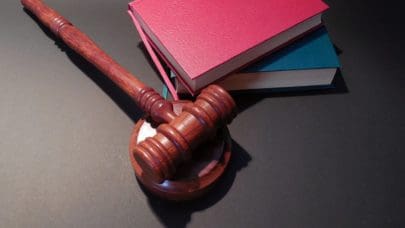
(309,62)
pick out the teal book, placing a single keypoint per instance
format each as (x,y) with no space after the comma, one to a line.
(308,62)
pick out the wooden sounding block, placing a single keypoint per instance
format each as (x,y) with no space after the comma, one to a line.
(192,178)
(179,160)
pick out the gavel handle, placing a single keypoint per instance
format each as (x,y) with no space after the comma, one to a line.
(159,155)
(146,98)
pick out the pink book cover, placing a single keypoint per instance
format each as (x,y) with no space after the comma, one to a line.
(200,35)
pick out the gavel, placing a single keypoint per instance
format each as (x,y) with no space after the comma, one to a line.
(177,135)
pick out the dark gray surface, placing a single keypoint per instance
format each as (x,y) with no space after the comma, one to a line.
(330,159)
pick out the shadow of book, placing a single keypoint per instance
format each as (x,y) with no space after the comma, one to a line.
(145,53)
(246,99)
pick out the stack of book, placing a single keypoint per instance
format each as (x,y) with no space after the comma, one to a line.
(240,45)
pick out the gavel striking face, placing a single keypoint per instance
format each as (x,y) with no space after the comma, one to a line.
(177,135)
(159,155)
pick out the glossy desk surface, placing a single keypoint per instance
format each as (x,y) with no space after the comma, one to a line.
(304,159)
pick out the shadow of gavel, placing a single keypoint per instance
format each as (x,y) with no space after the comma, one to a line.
(177,135)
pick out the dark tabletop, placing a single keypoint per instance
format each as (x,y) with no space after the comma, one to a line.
(300,159)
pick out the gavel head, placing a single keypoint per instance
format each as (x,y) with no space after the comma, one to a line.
(174,142)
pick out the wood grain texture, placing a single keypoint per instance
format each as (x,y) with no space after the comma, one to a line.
(146,98)
(177,136)
(172,145)
(192,179)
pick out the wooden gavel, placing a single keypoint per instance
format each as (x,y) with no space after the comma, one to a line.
(177,135)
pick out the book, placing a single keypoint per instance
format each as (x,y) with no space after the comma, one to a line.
(206,40)
(309,62)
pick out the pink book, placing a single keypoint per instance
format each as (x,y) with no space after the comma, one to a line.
(205,40)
